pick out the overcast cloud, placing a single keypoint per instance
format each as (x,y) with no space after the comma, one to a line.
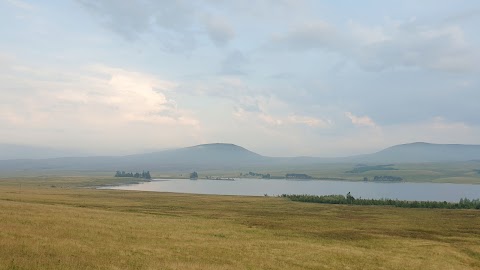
(278,77)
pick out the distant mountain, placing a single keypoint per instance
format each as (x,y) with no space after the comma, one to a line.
(200,157)
(206,153)
(422,152)
(207,156)
(14,151)
(220,156)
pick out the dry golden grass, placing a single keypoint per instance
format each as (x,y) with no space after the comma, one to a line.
(45,227)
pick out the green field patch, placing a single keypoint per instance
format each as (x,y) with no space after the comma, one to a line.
(463,180)
(365,168)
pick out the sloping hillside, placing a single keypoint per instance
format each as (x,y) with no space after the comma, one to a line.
(423,152)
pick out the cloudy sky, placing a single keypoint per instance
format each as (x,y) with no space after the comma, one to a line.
(280,77)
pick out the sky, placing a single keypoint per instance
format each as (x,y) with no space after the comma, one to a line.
(279,77)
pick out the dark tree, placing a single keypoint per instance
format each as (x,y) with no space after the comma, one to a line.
(144,175)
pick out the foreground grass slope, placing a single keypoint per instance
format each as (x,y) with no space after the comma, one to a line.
(50,223)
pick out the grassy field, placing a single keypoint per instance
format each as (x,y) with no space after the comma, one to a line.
(57,223)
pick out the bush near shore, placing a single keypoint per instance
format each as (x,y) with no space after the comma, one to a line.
(349,199)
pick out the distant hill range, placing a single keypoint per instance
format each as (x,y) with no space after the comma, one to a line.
(220,156)
(422,152)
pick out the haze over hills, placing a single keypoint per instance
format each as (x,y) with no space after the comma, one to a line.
(423,152)
(230,157)
(205,153)
(208,156)
(15,151)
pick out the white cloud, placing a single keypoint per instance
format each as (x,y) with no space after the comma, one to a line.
(441,124)
(21,4)
(261,116)
(309,121)
(269,119)
(389,45)
(434,130)
(100,106)
(369,140)
(225,86)
(234,63)
(308,36)
(136,96)
(222,69)
(361,121)
(411,44)
(367,35)
(170,23)
(256,104)
(219,30)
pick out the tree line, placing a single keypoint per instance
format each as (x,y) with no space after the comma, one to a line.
(386,178)
(262,175)
(297,176)
(144,174)
(349,199)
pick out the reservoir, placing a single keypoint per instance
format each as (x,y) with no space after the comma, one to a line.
(260,187)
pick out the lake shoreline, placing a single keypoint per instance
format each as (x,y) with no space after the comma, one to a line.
(264,187)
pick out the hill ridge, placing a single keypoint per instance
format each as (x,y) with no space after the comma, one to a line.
(228,156)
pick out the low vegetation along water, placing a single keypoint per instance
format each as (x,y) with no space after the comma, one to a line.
(349,199)
(260,187)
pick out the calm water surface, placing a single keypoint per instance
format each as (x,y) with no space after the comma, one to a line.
(259,187)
